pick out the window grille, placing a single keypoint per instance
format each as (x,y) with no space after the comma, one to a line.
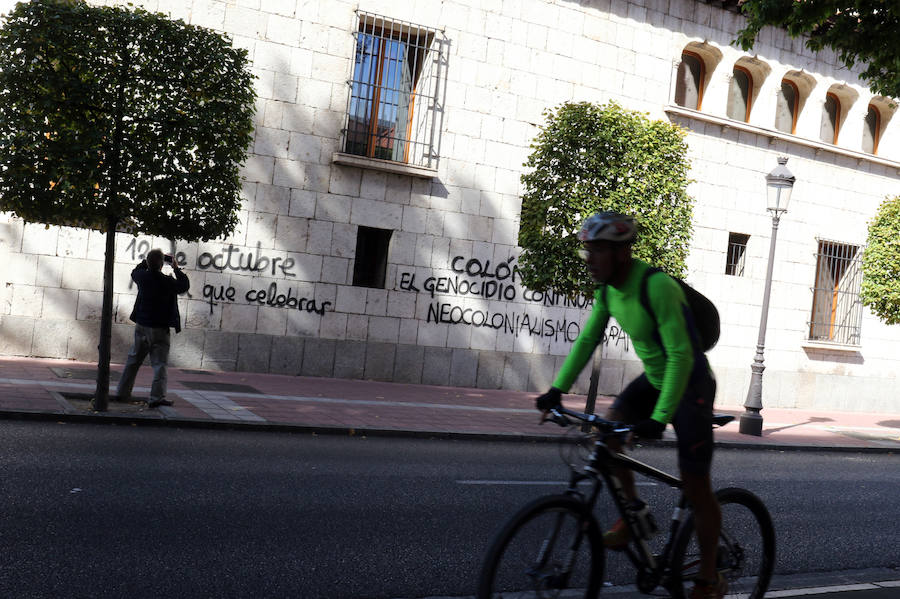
(734,259)
(394,109)
(837,309)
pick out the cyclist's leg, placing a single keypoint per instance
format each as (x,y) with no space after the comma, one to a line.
(693,426)
(634,403)
(707,519)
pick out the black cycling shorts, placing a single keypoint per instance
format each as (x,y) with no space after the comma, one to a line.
(692,420)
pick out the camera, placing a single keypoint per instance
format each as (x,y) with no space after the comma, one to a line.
(168,259)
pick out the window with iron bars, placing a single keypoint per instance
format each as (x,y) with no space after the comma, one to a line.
(734,258)
(393,107)
(837,309)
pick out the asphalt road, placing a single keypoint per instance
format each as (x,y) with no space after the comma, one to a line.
(111,511)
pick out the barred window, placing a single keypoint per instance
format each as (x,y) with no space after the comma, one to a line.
(837,309)
(393,106)
(734,258)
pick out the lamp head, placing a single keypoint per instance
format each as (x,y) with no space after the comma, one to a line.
(779,184)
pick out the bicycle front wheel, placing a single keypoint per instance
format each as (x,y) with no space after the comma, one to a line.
(552,548)
(746,551)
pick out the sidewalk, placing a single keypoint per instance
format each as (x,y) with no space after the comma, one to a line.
(60,390)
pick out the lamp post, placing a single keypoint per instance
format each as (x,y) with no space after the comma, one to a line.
(779,184)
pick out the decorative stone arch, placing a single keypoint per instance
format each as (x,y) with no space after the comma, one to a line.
(846,96)
(885,109)
(758,71)
(803,84)
(691,82)
(886,106)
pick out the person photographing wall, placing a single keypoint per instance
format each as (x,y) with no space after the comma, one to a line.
(155,312)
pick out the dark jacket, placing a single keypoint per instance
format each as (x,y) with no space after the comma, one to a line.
(156,304)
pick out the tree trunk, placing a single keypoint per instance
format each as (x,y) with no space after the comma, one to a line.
(100,402)
(101,394)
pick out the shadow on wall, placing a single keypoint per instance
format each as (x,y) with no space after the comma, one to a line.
(835,357)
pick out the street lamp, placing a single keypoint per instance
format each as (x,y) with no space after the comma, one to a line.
(779,184)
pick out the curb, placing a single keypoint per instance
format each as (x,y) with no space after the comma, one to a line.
(348,431)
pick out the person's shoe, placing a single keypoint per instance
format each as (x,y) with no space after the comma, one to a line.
(155,403)
(617,537)
(706,589)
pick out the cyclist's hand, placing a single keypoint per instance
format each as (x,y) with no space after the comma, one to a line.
(649,429)
(549,400)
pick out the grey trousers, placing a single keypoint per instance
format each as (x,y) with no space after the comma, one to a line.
(153,341)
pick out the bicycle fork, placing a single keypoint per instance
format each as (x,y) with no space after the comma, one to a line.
(558,579)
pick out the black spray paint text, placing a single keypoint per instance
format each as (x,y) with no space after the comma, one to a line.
(268,296)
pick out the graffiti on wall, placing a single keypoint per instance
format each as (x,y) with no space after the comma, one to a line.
(251,261)
(469,278)
(500,281)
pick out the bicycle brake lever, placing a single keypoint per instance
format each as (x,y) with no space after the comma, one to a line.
(557,418)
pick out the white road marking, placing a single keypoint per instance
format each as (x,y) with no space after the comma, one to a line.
(820,590)
(532,482)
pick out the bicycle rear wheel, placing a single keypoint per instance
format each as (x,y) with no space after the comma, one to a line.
(746,551)
(552,548)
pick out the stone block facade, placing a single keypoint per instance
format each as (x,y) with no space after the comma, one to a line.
(278,294)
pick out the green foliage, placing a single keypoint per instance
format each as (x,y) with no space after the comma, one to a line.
(881,263)
(588,158)
(863,31)
(120,116)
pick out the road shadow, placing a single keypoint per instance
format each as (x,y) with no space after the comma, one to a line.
(813,420)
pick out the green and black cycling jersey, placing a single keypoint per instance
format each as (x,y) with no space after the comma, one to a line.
(664,345)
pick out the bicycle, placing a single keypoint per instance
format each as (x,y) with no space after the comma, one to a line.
(553,547)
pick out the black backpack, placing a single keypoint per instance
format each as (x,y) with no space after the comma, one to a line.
(706,316)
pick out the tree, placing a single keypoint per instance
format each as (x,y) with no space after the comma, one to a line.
(880,290)
(588,158)
(121,119)
(859,31)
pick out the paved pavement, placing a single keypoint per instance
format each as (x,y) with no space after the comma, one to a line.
(60,389)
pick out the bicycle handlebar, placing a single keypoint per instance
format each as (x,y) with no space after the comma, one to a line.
(559,415)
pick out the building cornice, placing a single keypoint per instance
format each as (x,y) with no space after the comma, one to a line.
(773,135)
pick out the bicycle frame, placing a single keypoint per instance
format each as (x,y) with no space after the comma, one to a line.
(573,523)
(652,568)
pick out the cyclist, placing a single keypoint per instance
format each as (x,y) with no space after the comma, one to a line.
(677,385)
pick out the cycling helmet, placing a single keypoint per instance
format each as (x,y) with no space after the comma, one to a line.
(608,226)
